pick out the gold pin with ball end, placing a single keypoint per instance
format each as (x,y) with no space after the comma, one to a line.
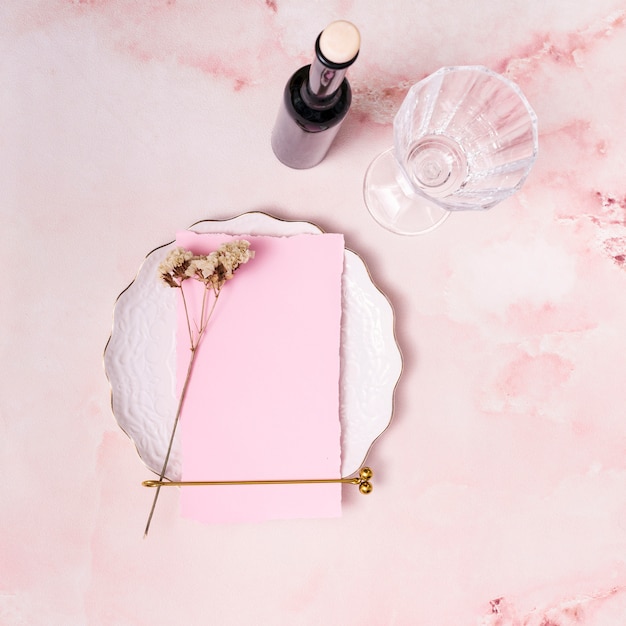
(362,480)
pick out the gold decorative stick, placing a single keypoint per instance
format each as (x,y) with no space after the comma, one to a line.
(362,480)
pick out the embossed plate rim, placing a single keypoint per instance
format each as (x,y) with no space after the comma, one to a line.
(253,222)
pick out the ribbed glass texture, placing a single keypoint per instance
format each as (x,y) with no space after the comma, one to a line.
(465,138)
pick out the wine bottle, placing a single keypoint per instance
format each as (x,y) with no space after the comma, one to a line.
(316,99)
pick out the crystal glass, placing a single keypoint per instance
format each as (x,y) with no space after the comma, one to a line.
(464,138)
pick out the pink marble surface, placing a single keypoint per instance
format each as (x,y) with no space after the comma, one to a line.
(500,494)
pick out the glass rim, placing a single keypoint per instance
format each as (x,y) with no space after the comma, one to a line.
(483,69)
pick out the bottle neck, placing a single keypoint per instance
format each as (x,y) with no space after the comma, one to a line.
(324,81)
(325,78)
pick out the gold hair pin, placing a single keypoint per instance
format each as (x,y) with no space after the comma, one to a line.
(362,480)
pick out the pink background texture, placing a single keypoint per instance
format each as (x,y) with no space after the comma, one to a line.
(500,488)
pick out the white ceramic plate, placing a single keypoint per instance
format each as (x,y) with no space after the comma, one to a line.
(139,358)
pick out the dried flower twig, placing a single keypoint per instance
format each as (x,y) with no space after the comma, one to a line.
(213,270)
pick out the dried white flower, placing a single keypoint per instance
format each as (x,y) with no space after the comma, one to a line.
(213,270)
(231,255)
(202,267)
(174,266)
(177,257)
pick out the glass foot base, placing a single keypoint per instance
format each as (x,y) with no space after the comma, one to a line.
(395,206)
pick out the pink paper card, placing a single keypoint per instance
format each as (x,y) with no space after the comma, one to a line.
(263,398)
